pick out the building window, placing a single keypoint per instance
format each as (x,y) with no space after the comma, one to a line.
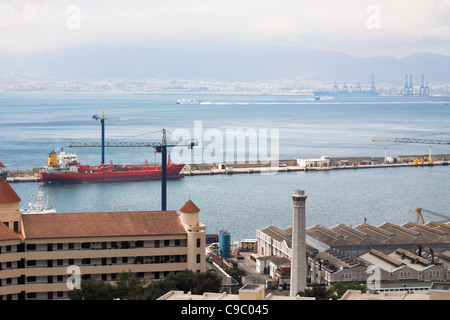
(31,295)
(31,247)
(166,243)
(139,244)
(198,258)
(199,244)
(31,279)
(31,263)
(86,245)
(177,242)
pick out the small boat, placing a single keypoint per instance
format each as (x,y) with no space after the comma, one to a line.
(188,101)
(40,206)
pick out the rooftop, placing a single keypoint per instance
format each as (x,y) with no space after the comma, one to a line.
(190,207)
(384,234)
(7,234)
(104,224)
(357,295)
(180,295)
(7,194)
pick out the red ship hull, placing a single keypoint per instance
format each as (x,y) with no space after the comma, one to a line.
(111,173)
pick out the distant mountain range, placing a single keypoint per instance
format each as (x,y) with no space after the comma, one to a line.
(145,62)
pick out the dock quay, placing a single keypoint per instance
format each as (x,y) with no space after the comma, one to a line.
(293,165)
(316,164)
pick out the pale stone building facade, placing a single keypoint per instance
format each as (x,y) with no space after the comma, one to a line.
(39,253)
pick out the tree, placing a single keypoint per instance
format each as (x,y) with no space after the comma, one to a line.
(129,286)
(317,291)
(186,281)
(93,290)
(336,291)
(236,273)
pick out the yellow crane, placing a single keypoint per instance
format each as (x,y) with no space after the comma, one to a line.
(419,211)
(409,140)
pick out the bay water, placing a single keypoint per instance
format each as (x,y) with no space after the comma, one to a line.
(35,123)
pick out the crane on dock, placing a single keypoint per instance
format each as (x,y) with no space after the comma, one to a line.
(420,210)
(160,147)
(102,119)
(409,140)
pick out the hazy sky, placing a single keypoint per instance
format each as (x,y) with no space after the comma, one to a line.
(358,27)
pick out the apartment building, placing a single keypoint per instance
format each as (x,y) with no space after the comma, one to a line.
(42,256)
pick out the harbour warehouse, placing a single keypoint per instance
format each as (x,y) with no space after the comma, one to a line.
(410,256)
(38,251)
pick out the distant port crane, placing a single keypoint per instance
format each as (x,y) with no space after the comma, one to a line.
(409,140)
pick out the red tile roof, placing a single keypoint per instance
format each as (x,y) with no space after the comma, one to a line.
(7,234)
(7,194)
(189,207)
(101,224)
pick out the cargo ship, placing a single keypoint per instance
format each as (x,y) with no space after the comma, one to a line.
(66,168)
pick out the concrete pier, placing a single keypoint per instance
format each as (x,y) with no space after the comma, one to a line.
(282,166)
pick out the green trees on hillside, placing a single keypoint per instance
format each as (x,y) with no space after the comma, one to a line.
(335,292)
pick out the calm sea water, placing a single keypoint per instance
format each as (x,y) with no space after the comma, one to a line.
(32,124)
